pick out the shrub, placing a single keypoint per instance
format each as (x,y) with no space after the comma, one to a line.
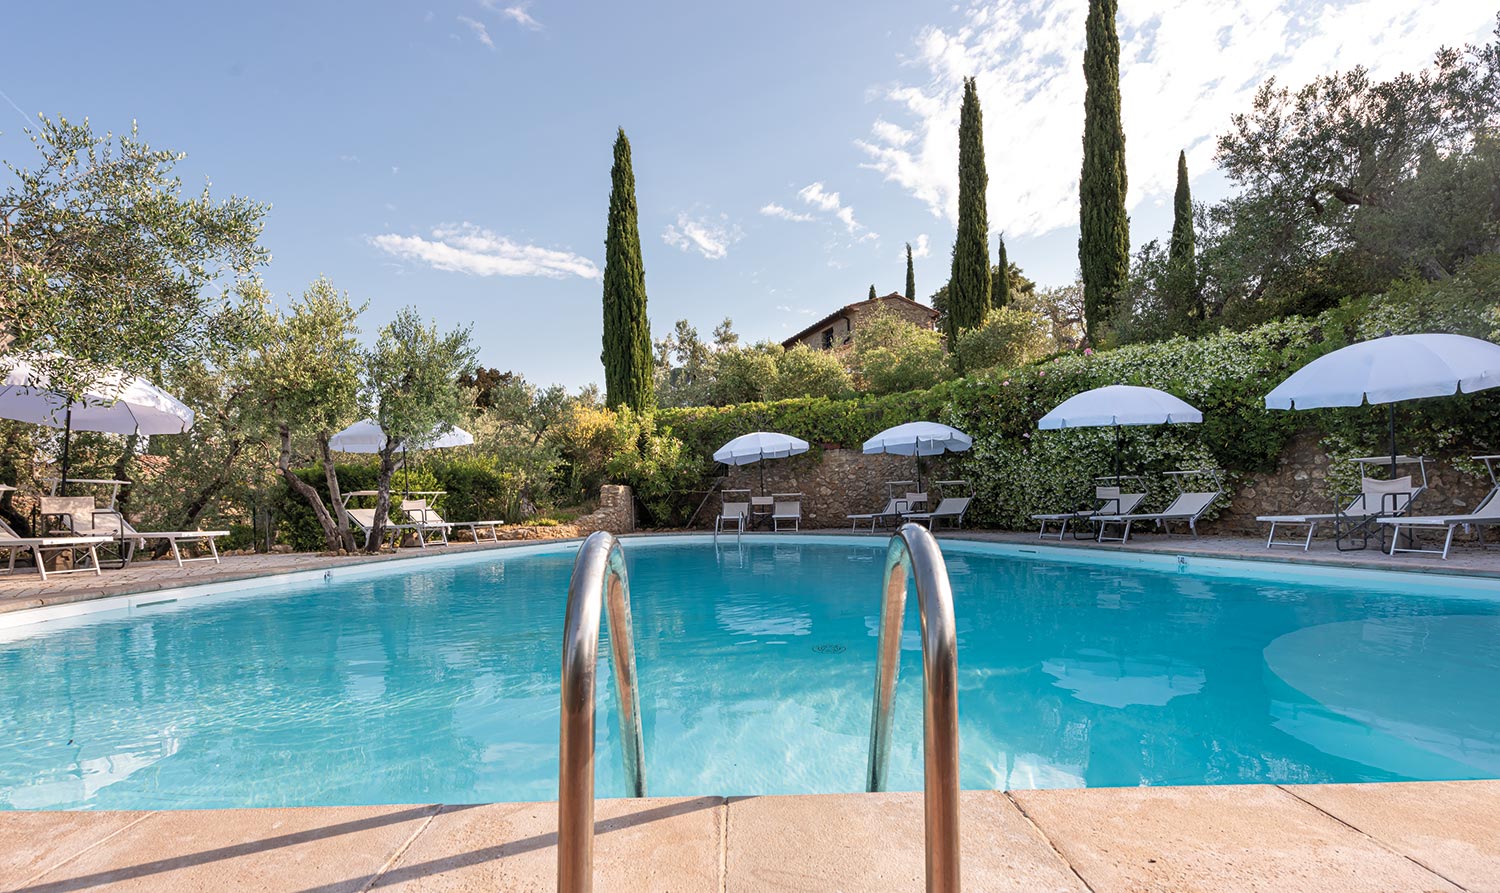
(1009,336)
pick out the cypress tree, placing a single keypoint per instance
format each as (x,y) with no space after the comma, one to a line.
(911,276)
(1104,227)
(627,331)
(969,284)
(1002,284)
(1182,254)
(872,291)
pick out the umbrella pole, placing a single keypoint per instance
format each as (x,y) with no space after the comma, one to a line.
(405,474)
(1118,447)
(62,486)
(762,464)
(1393,439)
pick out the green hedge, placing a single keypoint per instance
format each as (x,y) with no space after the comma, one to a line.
(1018,470)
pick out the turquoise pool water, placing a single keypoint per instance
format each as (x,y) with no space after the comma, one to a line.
(438,681)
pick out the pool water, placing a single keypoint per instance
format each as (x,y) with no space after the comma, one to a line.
(434,682)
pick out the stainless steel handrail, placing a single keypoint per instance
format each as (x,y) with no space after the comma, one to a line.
(598,581)
(913,549)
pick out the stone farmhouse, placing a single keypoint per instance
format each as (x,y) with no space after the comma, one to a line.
(836,329)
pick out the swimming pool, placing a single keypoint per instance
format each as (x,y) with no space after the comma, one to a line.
(437,680)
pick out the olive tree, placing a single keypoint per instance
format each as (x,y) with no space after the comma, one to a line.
(412,384)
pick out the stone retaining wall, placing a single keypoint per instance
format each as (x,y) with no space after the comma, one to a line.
(616,512)
(833,485)
(1300,485)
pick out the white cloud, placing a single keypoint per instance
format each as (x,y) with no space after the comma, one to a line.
(774,210)
(818,196)
(920,247)
(349,159)
(480,31)
(1186,65)
(466,248)
(707,237)
(517,14)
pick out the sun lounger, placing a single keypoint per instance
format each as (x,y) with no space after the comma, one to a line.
(422,514)
(734,511)
(950,509)
(1188,507)
(364,519)
(1111,502)
(42,546)
(1485,514)
(81,517)
(1354,516)
(896,507)
(786,509)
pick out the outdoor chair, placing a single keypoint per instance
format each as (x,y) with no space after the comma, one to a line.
(786,509)
(1188,508)
(421,513)
(1485,514)
(79,516)
(42,546)
(424,524)
(950,509)
(1111,502)
(735,511)
(1354,516)
(364,519)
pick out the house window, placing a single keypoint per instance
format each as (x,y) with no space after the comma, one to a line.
(828,338)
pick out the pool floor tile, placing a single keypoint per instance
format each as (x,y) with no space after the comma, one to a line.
(1452,827)
(653,845)
(33,842)
(1214,838)
(327,850)
(867,842)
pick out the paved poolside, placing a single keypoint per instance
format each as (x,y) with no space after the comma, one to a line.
(24,589)
(1436,836)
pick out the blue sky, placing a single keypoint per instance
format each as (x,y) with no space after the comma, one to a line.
(455,155)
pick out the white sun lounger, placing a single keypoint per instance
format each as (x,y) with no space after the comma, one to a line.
(1377,498)
(1111,502)
(422,514)
(83,518)
(786,509)
(1187,507)
(1485,514)
(950,509)
(896,508)
(733,512)
(364,519)
(42,546)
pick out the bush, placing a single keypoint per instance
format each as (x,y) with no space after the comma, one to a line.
(892,355)
(1009,336)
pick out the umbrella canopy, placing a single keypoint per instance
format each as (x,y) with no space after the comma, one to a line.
(1392,368)
(115,403)
(1119,404)
(919,439)
(759,445)
(365,436)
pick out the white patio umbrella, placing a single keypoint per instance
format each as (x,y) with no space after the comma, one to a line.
(116,403)
(1119,405)
(918,439)
(1389,369)
(758,446)
(365,436)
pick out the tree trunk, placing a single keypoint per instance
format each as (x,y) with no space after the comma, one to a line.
(388,465)
(205,495)
(346,537)
(307,491)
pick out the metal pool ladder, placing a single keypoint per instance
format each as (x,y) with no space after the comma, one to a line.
(598,582)
(914,550)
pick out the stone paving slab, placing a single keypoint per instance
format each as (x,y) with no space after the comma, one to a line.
(1214,838)
(654,845)
(857,842)
(329,850)
(1451,827)
(31,843)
